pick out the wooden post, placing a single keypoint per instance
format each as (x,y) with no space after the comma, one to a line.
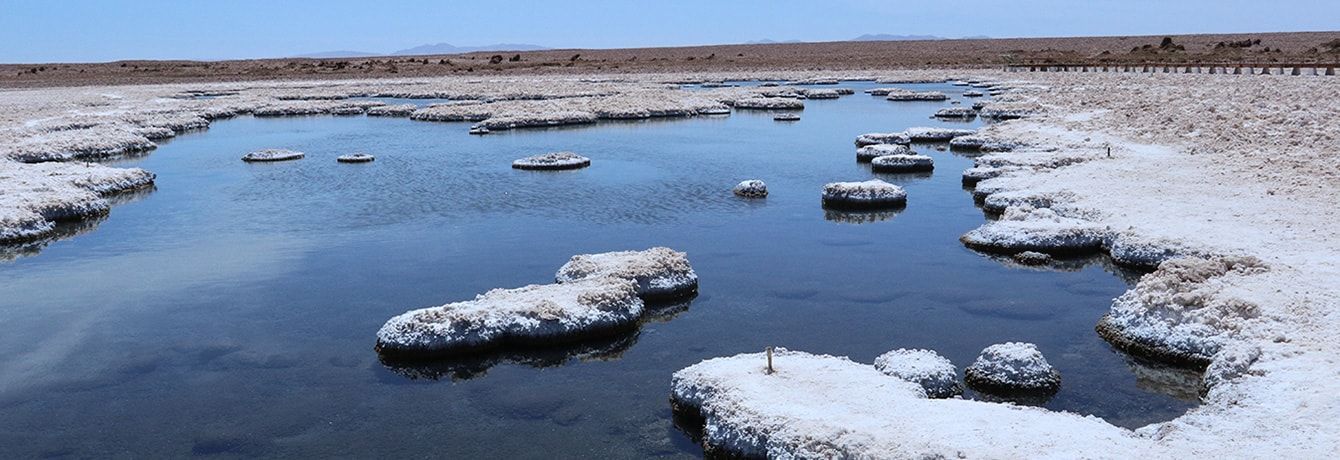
(1237,70)
(770,370)
(1330,71)
(1297,70)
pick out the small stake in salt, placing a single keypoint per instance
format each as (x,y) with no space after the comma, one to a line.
(1109,151)
(769,349)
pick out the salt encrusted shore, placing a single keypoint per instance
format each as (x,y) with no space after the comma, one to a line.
(659,273)
(35,197)
(552,161)
(530,315)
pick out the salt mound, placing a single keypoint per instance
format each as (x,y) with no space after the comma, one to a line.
(955,112)
(822,94)
(869,194)
(1012,367)
(659,273)
(870,152)
(523,316)
(903,95)
(355,158)
(272,155)
(882,138)
(926,368)
(936,134)
(1179,313)
(1025,228)
(769,103)
(902,164)
(398,110)
(553,161)
(751,189)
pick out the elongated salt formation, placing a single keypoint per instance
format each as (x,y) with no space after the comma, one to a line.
(659,273)
(873,193)
(530,315)
(552,161)
(770,103)
(936,134)
(902,164)
(905,96)
(355,158)
(926,368)
(955,113)
(272,155)
(1012,367)
(870,152)
(882,138)
(1025,228)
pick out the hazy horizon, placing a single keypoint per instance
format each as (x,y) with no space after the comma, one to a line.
(90,31)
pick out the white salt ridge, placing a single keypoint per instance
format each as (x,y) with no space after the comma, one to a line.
(935,374)
(1025,228)
(272,155)
(527,315)
(873,193)
(1012,367)
(769,103)
(936,134)
(902,164)
(659,273)
(820,406)
(882,138)
(752,188)
(553,161)
(870,152)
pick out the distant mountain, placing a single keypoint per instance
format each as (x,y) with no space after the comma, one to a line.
(893,38)
(437,48)
(447,48)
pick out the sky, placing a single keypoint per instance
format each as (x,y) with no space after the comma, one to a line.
(96,31)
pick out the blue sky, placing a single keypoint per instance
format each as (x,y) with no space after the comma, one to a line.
(87,30)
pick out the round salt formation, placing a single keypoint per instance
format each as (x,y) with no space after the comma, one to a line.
(659,273)
(552,161)
(1032,258)
(786,117)
(870,152)
(1012,367)
(902,164)
(355,158)
(528,315)
(272,155)
(927,368)
(863,195)
(751,189)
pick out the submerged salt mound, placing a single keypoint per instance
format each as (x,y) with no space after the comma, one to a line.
(922,134)
(870,152)
(882,138)
(955,113)
(786,117)
(355,158)
(902,164)
(769,103)
(926,368)
(1025,228)
(272,155)
(552,161)
(659,273)
(752,188)
(1012,367)
(902,95)
(873,193)
(1032,258)
(527,315)
(36,196)
(1179,313)
(819,406)
(398,110)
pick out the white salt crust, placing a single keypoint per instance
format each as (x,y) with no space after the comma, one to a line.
(526,315)
(1012,367)
(659,273)
(272,155)
(882,138)
(955,113)
(355,158)
(870,152)
(1025,228)
(922,134)
(873,193)
(752,188)
(34,197)
(935,374)
(902,164)
(553,161)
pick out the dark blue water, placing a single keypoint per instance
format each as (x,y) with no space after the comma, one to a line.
(233,310)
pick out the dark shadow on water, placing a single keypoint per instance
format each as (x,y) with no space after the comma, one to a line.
(861,216)
(1179,382)
(473,366)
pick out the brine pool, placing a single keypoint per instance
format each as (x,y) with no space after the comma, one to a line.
(232,310)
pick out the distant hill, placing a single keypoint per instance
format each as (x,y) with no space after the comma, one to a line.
(436,48)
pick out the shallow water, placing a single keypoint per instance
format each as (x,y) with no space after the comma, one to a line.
(233,310)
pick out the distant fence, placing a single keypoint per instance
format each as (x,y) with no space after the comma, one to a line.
(1228,69)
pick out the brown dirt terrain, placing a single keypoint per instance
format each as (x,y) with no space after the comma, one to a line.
(1255,48)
